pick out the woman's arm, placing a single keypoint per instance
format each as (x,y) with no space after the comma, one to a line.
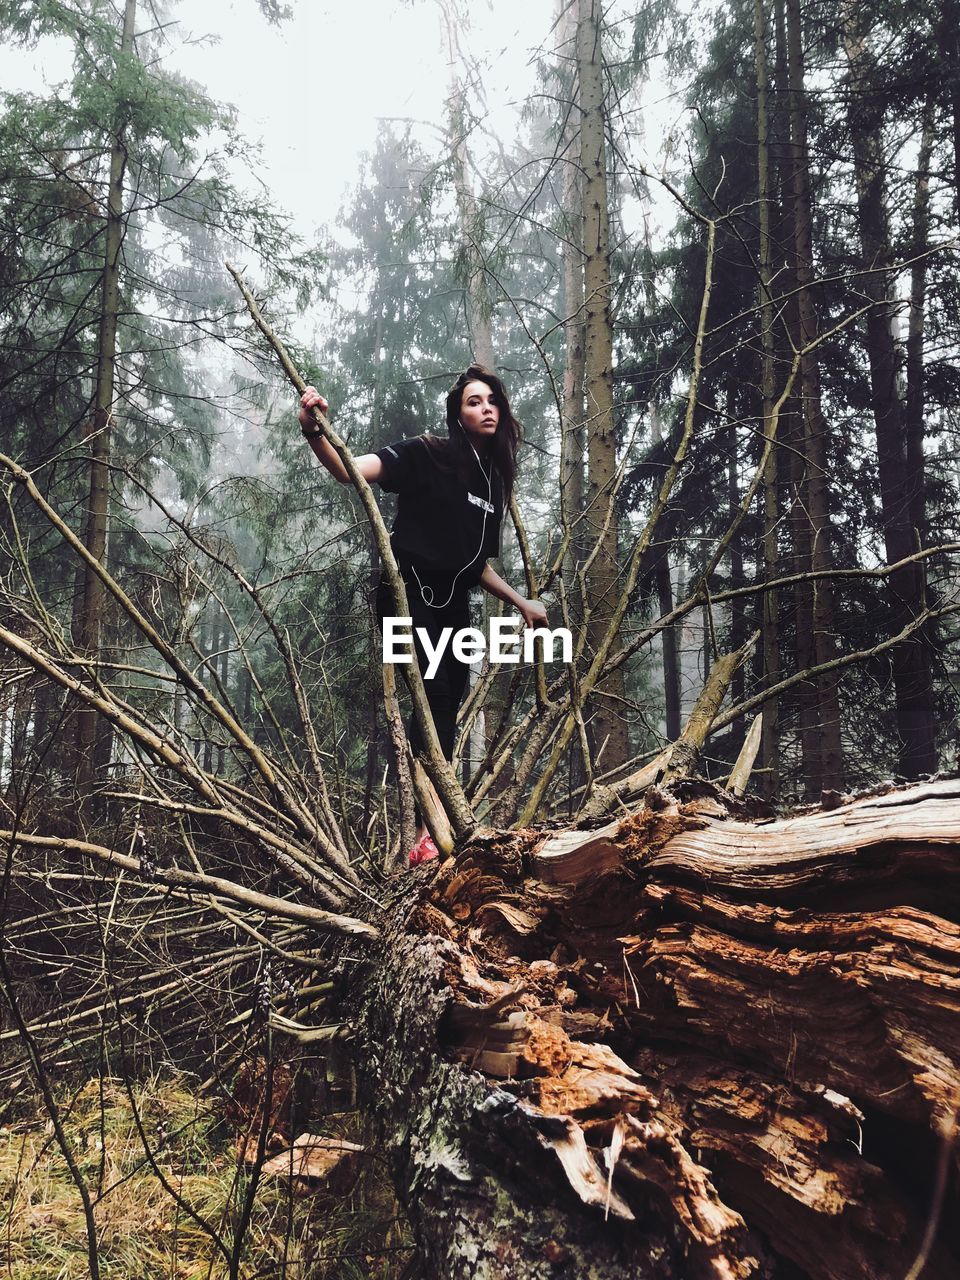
(368,464)
(532,611)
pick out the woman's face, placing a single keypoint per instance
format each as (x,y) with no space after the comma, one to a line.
(479,414)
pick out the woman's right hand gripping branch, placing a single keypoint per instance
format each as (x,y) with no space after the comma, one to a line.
(310,400)
(368,464)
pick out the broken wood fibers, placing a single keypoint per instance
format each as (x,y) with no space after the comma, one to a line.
(739,1021)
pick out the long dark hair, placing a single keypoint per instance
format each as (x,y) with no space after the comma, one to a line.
(503,450)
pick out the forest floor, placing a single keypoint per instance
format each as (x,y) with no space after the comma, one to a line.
(295,1231)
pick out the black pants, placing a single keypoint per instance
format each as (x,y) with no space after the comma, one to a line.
(445,689)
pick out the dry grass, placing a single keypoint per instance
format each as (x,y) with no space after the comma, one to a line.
(142,1232)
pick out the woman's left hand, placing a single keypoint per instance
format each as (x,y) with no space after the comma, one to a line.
(533,612)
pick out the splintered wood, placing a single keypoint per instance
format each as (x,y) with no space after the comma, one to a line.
(730,1020)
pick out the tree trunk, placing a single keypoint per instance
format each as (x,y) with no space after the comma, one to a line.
(684,1045)
(791,474)
(207,640)
(913,685)
(470,224)
(669,636)
(948,42)
(377,441)
(738,622)
(222,667)
(813,497)
(478,309)
(916,481)
(671,657)
(89,624)
(6,730)
(770,647)
(609,726)
(571,449)
(573,411)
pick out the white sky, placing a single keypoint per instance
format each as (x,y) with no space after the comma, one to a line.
(312,89)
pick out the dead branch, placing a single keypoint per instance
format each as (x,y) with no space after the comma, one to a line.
(439,769)
(275,783)
(177,878)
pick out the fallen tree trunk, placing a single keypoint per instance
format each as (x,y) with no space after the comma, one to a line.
(689,1044)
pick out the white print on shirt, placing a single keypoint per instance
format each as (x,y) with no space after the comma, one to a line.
(480,502)
(471,645)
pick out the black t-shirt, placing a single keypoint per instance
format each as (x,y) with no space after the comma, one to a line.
(442,523)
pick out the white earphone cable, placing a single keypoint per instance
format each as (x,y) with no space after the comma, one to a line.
(428,590)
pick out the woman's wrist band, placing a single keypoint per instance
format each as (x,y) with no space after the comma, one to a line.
(311,433)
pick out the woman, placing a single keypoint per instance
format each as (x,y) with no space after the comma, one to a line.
(452,496)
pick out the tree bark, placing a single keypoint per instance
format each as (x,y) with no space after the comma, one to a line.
(813,507)
(916,480)
(685,1045)
(89,626)
(571,454)
(477,301)
(770,649)
(792,434)
(373,560)
(663,580)
(207,640)
(913,685)
(948,42)
(671,656)
(609,726)
(738,622)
